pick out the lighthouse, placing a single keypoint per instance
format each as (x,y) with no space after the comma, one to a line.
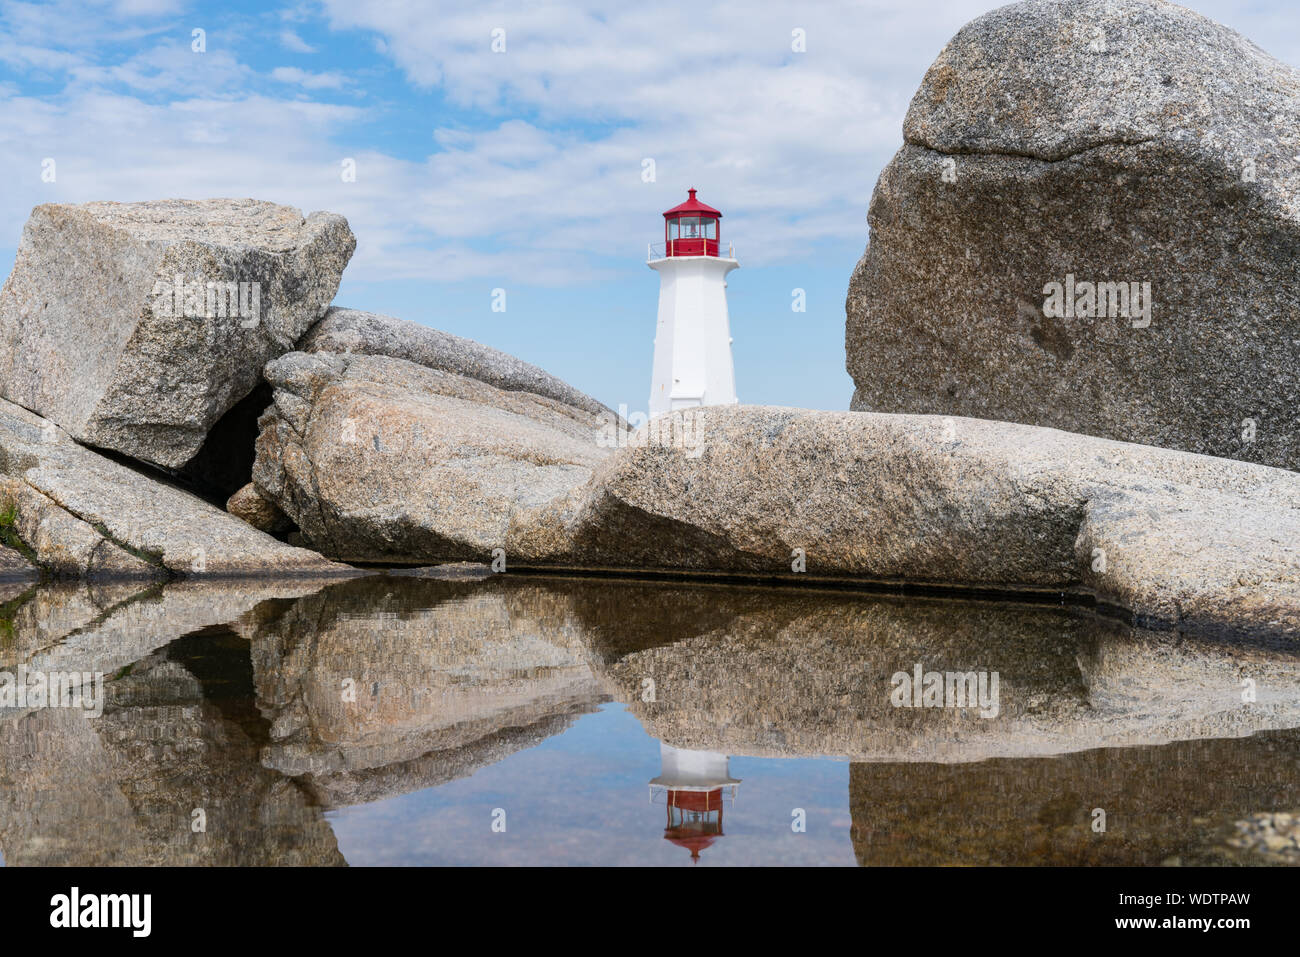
(693,782)
(692,364)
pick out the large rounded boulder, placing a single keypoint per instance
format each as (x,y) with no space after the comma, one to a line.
(1094,225)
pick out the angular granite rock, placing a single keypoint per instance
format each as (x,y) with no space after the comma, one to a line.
(1077,143)
(1206,543)
(367,333)
(258,510)
(94,338)
(85,515)
(378,458)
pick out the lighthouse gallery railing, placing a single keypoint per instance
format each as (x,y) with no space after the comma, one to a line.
(660,251)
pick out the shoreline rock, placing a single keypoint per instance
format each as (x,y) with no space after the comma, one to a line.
(386,442)
(380,459)
(85,515)
(1200,543)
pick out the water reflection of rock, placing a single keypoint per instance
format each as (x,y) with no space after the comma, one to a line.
(769,672)
(178,733)
(762,672)
(803,674)
(379,686)
(251,722)
(1170,804)
(92,626)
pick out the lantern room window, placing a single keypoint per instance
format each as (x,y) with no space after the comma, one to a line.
(693,227)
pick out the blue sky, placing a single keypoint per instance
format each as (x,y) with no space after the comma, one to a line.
(520,170)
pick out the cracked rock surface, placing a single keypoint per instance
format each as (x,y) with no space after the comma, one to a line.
(84,515)
(1114,141)
(352,331)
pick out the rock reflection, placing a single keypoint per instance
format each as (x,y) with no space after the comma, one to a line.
(265,705)
(1173,804)
(169,774)
(792,674)
(380,686)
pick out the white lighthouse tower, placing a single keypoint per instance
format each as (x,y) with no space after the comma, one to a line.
(693,337)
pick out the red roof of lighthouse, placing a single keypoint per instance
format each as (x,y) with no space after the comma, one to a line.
(692,205)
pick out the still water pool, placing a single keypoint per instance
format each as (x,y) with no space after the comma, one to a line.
(394,720)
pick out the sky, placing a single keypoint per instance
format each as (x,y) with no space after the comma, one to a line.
(524,147)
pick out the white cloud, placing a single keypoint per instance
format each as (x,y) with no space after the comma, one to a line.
(23,56)
(544,180)
(82,24)
(170,68)
(308,81)
(787,144)
(294,43)
(147,8)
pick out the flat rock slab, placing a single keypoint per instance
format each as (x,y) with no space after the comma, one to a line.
(1058,156)
(367,333)
(86,515)
(1205,543)
(136,326)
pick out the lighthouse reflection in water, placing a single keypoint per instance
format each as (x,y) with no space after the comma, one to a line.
(693,785)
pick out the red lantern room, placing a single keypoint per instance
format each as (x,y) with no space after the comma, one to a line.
(692,229)
(694,820)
